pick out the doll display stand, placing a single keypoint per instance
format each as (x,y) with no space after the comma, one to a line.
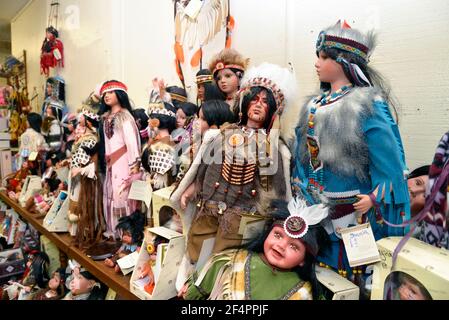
(56,219)
(161,199)
(31,185)
(166,268)
(423,262)
(340,287)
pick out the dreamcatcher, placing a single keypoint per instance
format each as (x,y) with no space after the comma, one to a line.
(196,24)
(52,50)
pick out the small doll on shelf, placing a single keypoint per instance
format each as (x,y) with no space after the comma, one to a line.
(132,234)
(83,286)
(55,289)
(279,263)
(15,182)
(35,277)
(52,51)
(147,269)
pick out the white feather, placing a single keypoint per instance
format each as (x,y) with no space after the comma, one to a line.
(312,215)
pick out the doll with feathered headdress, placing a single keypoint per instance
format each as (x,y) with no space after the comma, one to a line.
(249,165)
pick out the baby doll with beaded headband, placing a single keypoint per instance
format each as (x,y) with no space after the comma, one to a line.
(238,168)
(121,153)
(279,263)
(347,145)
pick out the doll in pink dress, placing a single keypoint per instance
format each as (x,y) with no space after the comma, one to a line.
(122,154)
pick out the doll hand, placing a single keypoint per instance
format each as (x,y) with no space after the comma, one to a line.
(183,291)
(109,263)
(187,196)
(27,289)
(364,204)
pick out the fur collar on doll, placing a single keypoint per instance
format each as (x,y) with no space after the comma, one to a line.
(339,129)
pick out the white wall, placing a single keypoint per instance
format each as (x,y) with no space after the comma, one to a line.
(412,54)
(133,41)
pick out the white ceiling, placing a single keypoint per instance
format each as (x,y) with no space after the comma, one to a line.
(8,10)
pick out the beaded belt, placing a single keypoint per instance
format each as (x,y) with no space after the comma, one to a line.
(222,207)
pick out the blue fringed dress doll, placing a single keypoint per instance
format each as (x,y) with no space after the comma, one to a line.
(346,147)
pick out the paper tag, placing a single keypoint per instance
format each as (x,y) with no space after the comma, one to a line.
(141,190)
(32,156)
(63,173)
(111,295)
(128,262)
(193,8)
(360,245)
(57,54)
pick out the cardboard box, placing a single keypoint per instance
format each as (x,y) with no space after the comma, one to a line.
(419,266)
(53,253)
(5,163)
(31,185)
(340,287)
(166,270)
(161,205)
(12,262)
(57,219)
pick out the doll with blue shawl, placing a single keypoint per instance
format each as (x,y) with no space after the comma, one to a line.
(346,145)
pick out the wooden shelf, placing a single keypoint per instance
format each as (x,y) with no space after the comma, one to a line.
(117,282)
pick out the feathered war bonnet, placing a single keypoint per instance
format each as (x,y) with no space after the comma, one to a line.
(228,59)
(281,82)
(350,48)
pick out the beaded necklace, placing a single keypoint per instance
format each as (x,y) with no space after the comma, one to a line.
(315,169)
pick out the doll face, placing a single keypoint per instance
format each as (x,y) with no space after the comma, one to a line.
(127,238)
(410,291)
(417,190)
(203,125)
(110,98)
(283,252)
(328,69)
(200,93)
(180,118)
(258,108)
(80,284)
(54,282)
(228,82)
(49,112)
(49,88)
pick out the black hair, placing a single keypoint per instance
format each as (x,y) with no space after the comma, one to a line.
(211,90)
(53,31)
(141,119)
(217,112)
(188,108)
(95,123)
(55,156)
(133,223)
(420,171)
(316,237)
(53,81)
(372,75)
(176,90)
(122,98)
(53,183)
(35,121)
(166,121)
(97,293)
(39,268)
(57,112)
(247,98)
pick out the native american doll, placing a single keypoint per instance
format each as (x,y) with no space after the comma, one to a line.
(258,271)
(238,168)
(122,153)
(347,145)
(158,156)
(52,51)
(86,214)
(228,68)
(32,140)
